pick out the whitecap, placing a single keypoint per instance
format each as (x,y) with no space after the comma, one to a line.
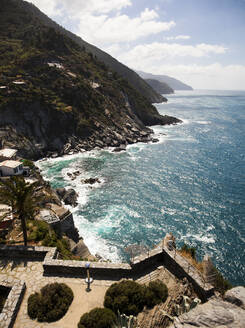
(204,238)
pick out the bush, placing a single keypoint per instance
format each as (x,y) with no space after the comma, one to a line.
(33,306)
(27,162)
(51,304)
(221,284)
(189,250)
(155,293)
(97,318)
(38,230)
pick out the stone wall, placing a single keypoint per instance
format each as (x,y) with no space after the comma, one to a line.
(27,252)
(176,264)
(141,265)
(13,301)
(98,270)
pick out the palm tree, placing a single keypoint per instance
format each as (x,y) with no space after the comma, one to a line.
(15,192)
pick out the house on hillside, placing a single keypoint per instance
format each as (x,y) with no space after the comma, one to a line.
(7,154)
(10,168)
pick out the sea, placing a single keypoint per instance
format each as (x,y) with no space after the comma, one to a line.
(190,183)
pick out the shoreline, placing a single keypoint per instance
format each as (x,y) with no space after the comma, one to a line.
(156,138)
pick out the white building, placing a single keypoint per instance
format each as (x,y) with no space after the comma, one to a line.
(7,153)
(10,167)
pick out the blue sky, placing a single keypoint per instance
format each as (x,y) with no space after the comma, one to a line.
(200,42)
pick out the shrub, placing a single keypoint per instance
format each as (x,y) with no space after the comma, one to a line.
(126,296)
(97,318)
(129,297)
(51,304)
(189,250)
(38,230)
(33,306)
(27,162)
(221,284)
(155,293)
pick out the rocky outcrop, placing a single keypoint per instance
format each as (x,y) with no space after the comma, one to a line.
(236,296)
(68,196)
(216,313)
(91,181)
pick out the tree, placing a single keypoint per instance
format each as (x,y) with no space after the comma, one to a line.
(15,192)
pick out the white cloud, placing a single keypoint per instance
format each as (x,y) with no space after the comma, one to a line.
(77,7)
(102,23)
(178,37)
(103,30)
(47,6)
(145,54)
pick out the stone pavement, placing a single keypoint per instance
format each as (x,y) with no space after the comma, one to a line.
(31,272)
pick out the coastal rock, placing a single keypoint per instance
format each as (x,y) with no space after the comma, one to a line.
(61,192)
(70,197)
(80,249)
(216,313)
(236,296)
(120,148)
(91,181)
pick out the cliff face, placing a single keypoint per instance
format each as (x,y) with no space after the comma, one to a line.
(56,97)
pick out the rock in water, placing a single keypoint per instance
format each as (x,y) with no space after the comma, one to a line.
(70,197)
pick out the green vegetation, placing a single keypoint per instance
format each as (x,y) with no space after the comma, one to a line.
(27,162)
(40,231)
(189,250)
(52,240)
(37,230)
(129,297)
(21,196)
(221,284)
(155,293)
(51,304)
(97,318)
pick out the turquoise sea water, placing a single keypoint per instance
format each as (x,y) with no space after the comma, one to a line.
(191,183)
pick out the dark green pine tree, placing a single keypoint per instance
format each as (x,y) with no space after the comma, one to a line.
(21,196)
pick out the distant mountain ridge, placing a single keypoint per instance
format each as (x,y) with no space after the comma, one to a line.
(172,82)
(160,87)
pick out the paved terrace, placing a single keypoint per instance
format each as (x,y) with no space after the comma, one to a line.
(31,272)
(38,266)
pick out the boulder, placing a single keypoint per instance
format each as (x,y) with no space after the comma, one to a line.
(70,197)
(91,180)
(120,148)
(236,296)
(80,249)
(61,192)
(216,313)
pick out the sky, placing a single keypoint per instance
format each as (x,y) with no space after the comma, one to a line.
(200,42)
